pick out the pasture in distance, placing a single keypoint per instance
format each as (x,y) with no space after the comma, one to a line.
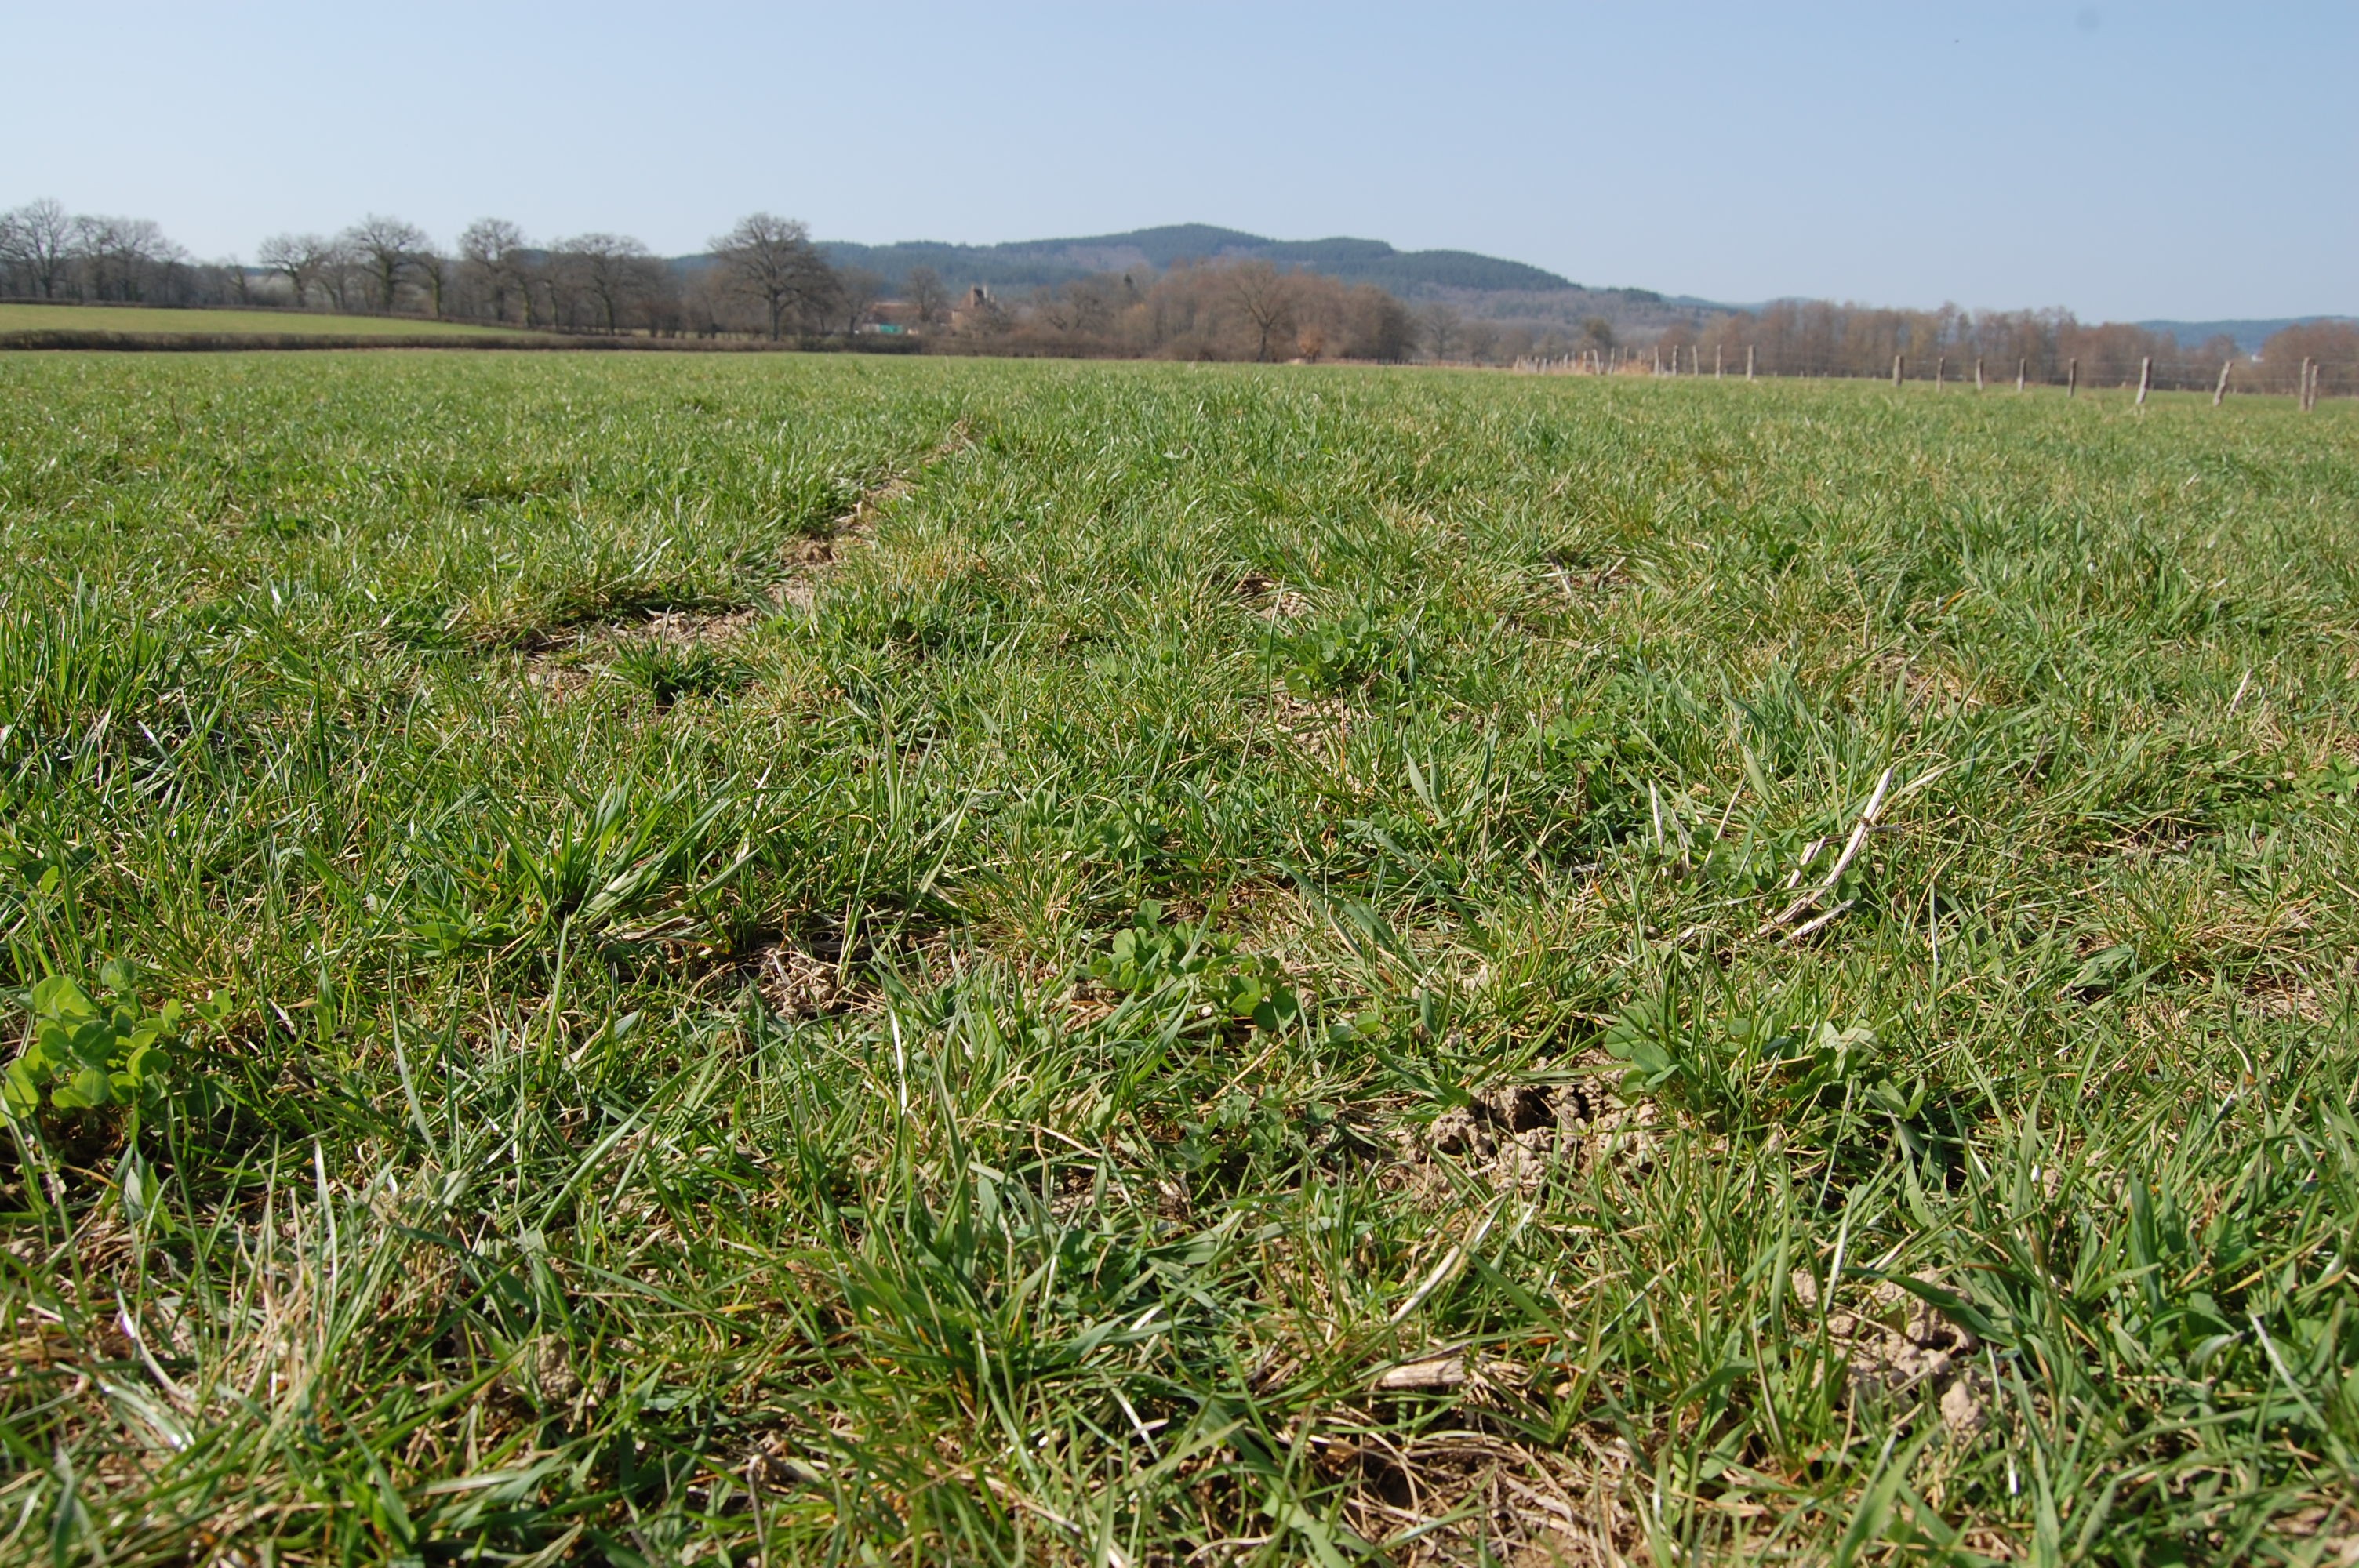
(147,322)
(819,959)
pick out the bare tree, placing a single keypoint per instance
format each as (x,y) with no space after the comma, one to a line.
(297,258)
(857,290)
(433,270)
(492,249)
(1442,326)
(612,269)
(927,296)
(1380,326)
(122,255)
(547,286)
(772,260)
(389,248)
(38,240)
(1266,297)
(15,268)
(1481,342)
(340,273)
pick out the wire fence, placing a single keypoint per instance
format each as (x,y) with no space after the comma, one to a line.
(2308,381)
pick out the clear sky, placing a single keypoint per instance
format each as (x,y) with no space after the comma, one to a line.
(2126,160)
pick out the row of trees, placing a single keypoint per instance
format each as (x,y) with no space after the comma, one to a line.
(765,277)
(1818,338)
(48,252)
(1248,311)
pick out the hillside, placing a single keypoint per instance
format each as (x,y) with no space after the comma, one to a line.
(1027,263)
(1488,288)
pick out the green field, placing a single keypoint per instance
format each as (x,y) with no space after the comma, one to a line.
(814,959)
(237,323)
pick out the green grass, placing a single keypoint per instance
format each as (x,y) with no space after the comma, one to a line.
(1023,1060)
(268,323)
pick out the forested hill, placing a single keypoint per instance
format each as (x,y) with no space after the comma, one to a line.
(1024,263)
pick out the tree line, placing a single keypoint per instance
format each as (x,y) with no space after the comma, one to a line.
(765,278)
(2045,347)
(1239,310)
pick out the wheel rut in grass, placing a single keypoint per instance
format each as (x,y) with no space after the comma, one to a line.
(685,650)
(813,559)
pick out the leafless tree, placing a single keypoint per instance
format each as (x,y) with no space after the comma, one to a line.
(545,283)
(122,255)
(857,290)
(927,296)
(1052,306)
(340,272)
(1442,327)
(1380,326)
(297,258)
(389,248)
(37,239)
(433,269)
(612,269)
(1266,297)
(772,260)
(1481,342)
(492,249)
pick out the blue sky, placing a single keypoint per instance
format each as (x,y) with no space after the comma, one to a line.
(2126,160)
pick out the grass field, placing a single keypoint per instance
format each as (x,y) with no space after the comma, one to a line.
(296,323)
(824,960)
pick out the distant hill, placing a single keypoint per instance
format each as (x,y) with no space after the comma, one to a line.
(1479,286)
(2249,335)
(1029,263)
(1482,286)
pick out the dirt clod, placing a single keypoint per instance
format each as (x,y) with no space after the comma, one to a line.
(1510,1132)
(1896,1342)
(798,982)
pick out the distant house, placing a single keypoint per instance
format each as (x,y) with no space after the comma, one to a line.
(978,308)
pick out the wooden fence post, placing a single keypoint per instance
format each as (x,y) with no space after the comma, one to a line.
(1658,359)
(1940,366)
(1748,362)
(1896,370)
(2020,366)
(2146,377)
(1978,373)
(1715,361)
(2220,391)
(2073,376)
